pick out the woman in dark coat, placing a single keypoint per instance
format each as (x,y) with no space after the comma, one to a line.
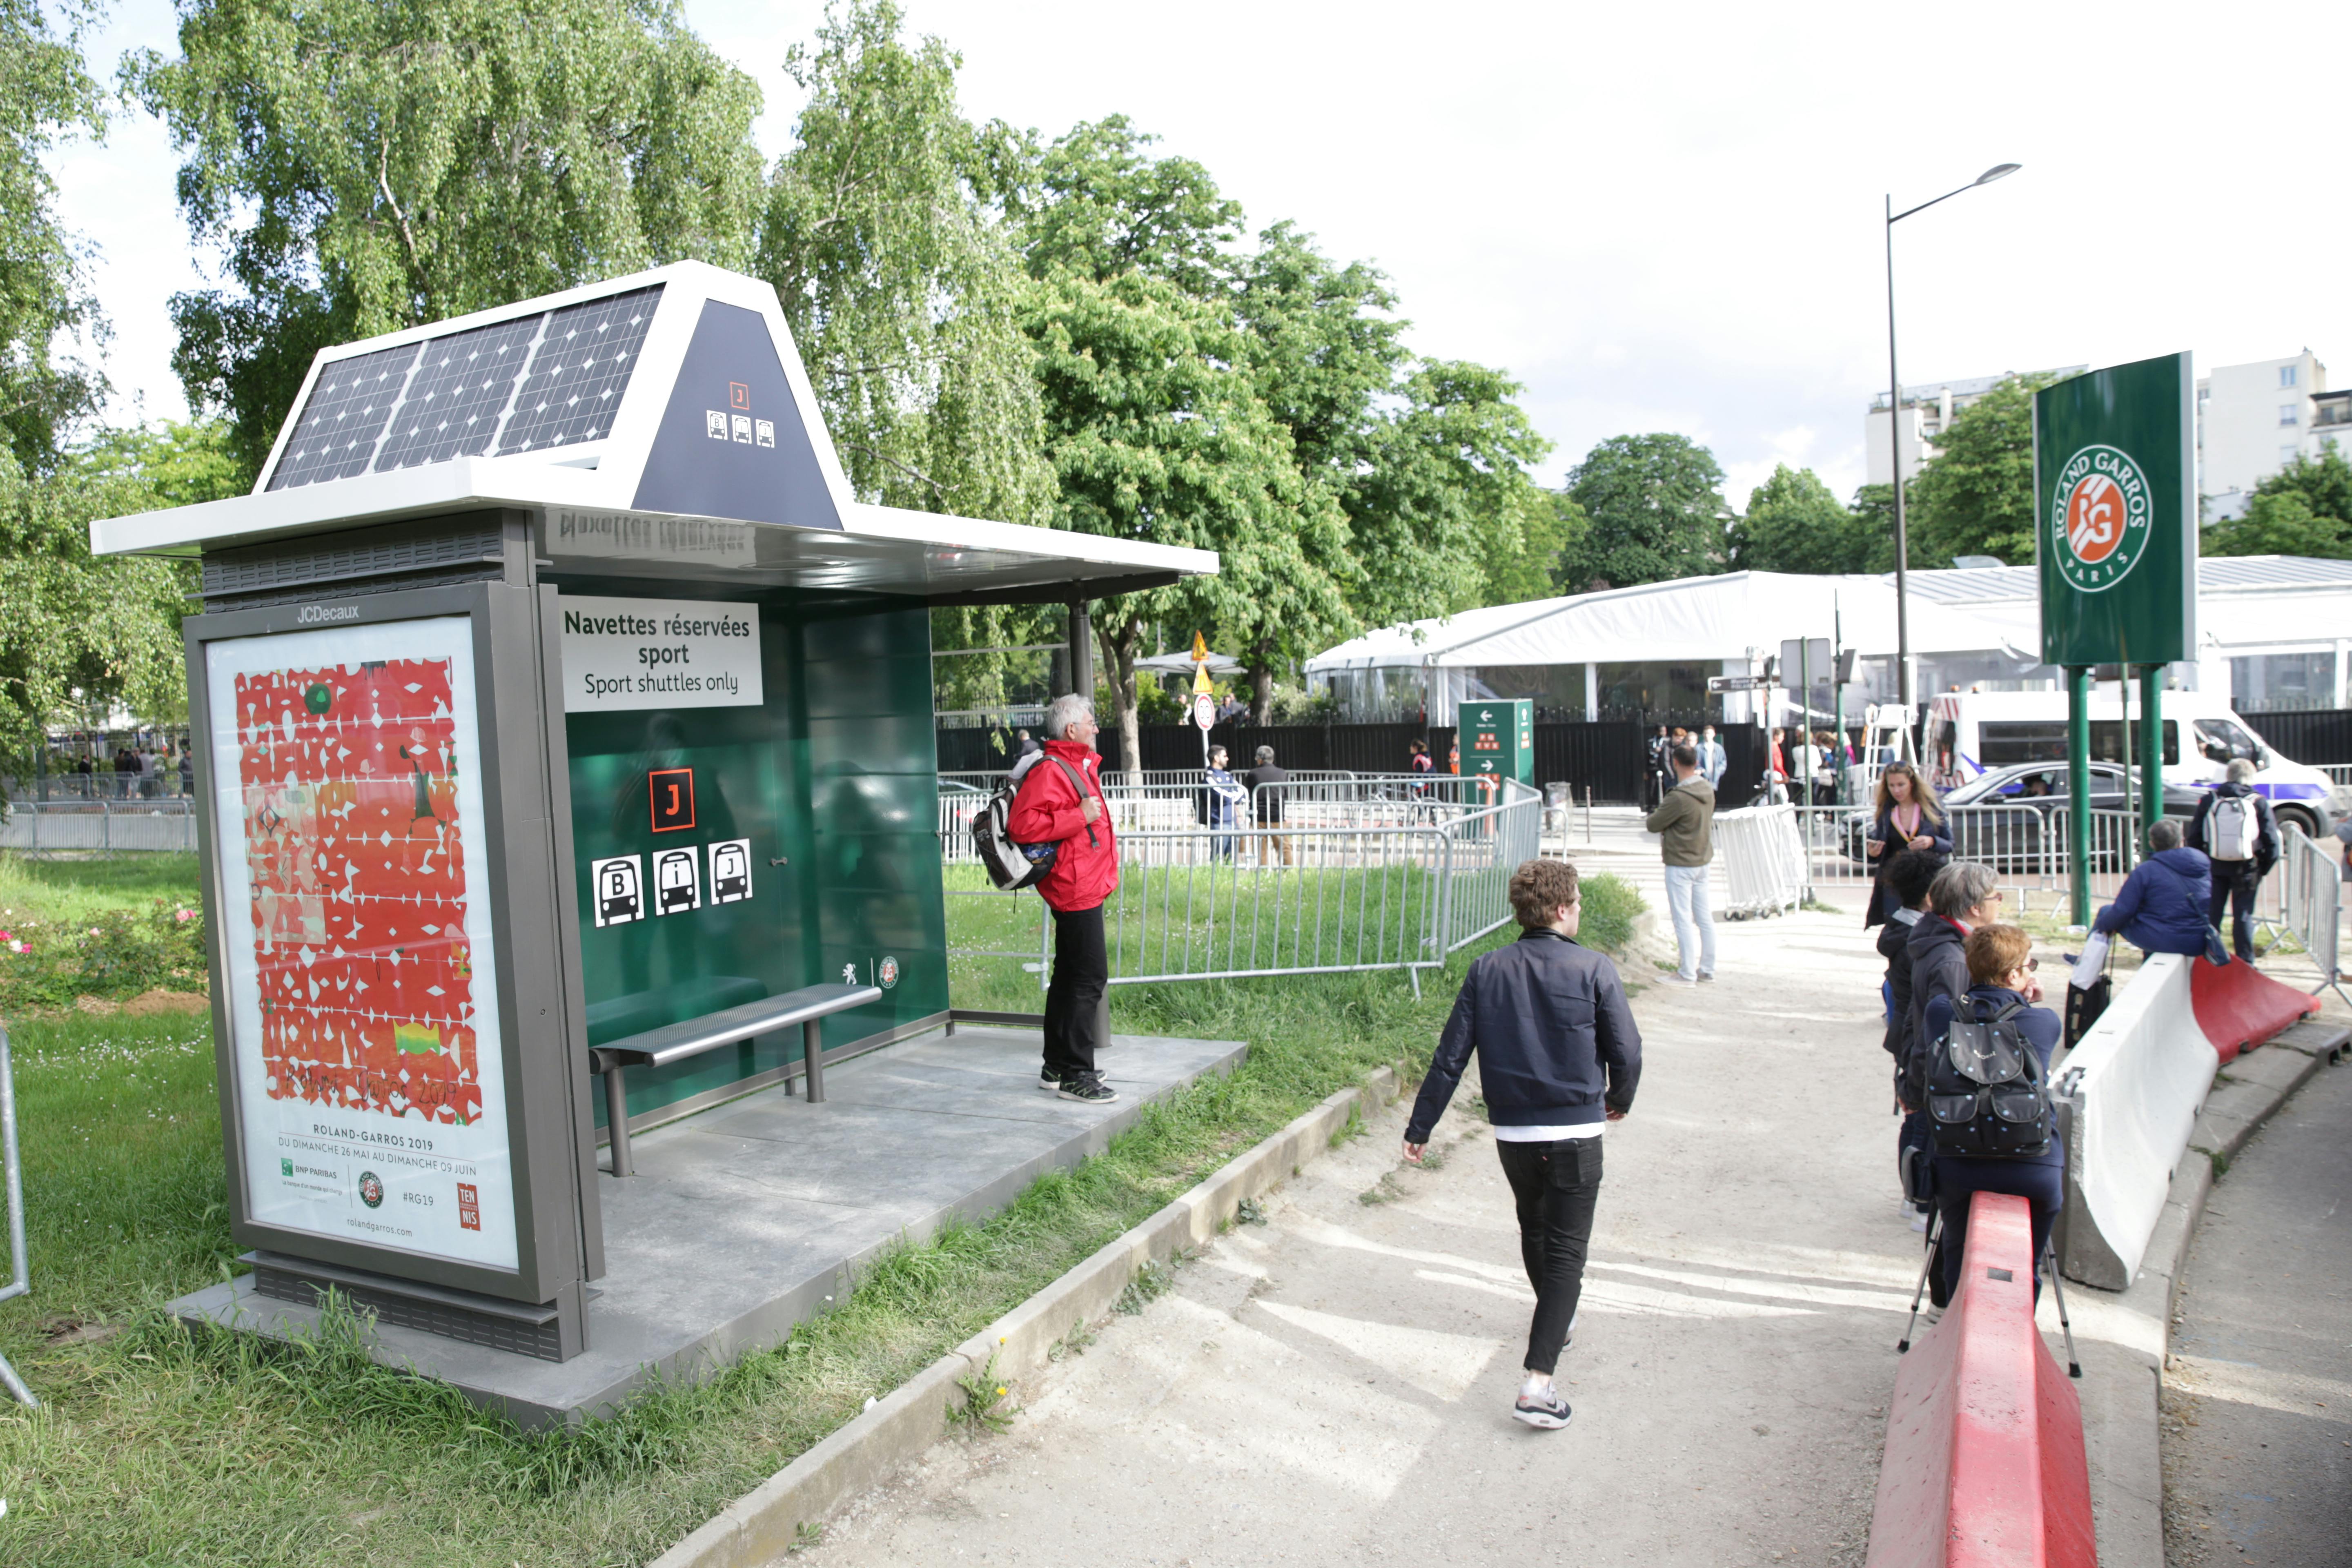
(1907,817)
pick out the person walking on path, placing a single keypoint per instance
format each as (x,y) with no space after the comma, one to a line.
(2234,829)
(1685,820)
(1711,759)
(1908,817)
(1269,804)
(1059,801)
(1558,1059)
(1999,977)
(2165,904)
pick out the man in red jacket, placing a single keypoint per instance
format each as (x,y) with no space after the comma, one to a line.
(1059,802)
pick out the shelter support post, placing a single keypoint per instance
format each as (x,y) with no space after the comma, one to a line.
(2078,789)
(2151,750)
(616,1118)
(812,1055)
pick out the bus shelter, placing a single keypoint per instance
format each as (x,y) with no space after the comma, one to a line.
(565,764)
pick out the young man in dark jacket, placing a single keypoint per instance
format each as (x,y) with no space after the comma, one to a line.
(2163,905)
(1558,1058)
(2242,848)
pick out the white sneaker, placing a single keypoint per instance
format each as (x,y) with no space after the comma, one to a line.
(1676,978)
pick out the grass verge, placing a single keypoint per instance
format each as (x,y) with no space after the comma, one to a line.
(160,1445)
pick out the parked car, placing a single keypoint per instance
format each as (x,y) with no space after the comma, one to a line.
(2003,818)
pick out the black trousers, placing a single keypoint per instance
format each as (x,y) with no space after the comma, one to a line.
(1074,996)
(1555,1187)
(2043,1187)
(2235,884)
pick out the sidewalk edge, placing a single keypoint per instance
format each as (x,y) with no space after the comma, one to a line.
(765,1523)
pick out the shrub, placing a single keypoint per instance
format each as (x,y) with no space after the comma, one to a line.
(119,952)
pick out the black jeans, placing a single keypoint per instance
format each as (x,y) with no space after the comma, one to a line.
(1074,996)
(2235,885)
(2043,1187)
(1556,1186)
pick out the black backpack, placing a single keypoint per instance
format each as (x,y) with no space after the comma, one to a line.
(1988,1097)
(1013,866)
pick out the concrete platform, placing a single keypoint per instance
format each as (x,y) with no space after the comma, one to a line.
(746,1218)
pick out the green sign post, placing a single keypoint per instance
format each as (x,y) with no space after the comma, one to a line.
(2114,510)
(1499,739)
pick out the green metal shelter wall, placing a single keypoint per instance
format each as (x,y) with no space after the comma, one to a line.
(835,774)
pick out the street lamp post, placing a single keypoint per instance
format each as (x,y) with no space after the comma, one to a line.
(1895,438)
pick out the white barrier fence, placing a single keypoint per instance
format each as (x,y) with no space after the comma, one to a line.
(2135,1083)
(1765,860)
(99,827)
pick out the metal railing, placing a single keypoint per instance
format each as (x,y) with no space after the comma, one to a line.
(2310,890)
(2026,846)
(165,783)
(1351,877)
(102,826)
(21,1270)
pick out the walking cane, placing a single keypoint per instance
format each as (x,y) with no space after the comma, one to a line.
(2049,1262)
(1934,1245)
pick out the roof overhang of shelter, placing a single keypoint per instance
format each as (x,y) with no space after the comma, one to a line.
(669,481)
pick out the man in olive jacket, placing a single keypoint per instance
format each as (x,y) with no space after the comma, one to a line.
(1685,821)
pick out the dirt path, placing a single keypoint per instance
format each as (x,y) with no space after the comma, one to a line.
(1333,1386)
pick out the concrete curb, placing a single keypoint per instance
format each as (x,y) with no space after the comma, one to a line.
(765,1522)
(2125,1339)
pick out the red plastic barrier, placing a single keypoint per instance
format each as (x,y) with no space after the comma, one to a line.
(2238,1006)
(1984,1464)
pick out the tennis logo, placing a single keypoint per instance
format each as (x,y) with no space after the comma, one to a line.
(2099,514)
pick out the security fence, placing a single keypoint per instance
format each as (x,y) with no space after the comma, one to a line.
(1392,872)
(2308,886)
(1778,856)
(99,825)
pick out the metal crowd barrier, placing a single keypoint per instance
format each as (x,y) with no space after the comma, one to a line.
(1765,860)
(1359,874)
(2309,884)
(21,1280)
(103,827)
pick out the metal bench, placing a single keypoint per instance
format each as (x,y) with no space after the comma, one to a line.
(808,1007)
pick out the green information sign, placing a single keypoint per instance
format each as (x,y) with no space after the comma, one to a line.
(2114,513)
(1498,739)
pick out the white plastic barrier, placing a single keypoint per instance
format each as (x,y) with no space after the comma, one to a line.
(2135,1082)
(1763,860)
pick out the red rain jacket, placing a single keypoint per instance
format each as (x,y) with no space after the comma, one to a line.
(1046,810)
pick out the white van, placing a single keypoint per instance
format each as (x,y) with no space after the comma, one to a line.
(1968,732)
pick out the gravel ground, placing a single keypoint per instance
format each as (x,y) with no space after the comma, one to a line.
(1333,1386)
(2257,1400)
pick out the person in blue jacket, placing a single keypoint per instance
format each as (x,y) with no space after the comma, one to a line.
(2164,905)
(1558,1059)
(2000,972)
(1908,817)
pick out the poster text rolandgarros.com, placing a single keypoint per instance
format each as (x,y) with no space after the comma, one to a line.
(355,931)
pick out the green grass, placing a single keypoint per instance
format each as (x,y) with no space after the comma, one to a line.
(73,891)
(160,1445)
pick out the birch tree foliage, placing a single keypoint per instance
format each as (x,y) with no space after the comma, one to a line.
(363,165)
(45,94)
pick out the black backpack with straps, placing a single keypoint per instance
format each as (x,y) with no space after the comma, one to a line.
(1988,1093)
(1013,866)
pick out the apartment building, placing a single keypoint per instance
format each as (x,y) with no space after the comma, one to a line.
(2254,419)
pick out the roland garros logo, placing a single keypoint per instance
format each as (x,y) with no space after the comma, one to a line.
(2099,513)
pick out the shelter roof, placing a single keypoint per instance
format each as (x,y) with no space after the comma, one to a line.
(657,425)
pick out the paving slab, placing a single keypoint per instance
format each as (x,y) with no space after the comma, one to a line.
(748,1217)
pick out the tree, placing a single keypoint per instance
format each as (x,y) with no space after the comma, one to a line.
(1977,497)
(44,92)
(1795,524)
(2305,508)
(365,165)
(1655,509)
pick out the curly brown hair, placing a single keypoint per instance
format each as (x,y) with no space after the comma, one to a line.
(1540,888)
(1995,953)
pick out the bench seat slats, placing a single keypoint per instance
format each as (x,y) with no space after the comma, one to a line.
(691,1036)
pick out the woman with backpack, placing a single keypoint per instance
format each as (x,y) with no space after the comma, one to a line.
(1996,1013)
(1908,816)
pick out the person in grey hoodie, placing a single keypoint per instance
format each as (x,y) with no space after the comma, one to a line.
(1685,820)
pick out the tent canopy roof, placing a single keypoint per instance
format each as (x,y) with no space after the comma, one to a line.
(657,425)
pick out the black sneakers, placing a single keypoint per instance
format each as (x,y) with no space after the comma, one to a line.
(1550,1415)
(1088,1087)
(1048,1081)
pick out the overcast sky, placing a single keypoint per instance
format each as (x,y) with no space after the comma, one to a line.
(1658,218)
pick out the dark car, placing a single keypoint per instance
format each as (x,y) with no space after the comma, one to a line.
(2003,816)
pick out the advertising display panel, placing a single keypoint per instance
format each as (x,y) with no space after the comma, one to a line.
(356,939)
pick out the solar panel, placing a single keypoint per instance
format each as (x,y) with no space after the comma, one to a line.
(335,436)
(462,385)
(580,371)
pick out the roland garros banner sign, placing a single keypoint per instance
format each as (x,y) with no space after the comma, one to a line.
(2114,513)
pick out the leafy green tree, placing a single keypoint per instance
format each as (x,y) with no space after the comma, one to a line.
(365,165)
(2305,508)
(1977,497)
(1794,524)
(1654,509)
(176,463)
(45,93)
(1092,203)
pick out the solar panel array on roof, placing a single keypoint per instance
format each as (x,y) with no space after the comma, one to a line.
(580,370)
(455,396)
(335,436)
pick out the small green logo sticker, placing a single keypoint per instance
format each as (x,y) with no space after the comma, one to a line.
(285,1167)
(372,1189)
(2098,515)
(319,698)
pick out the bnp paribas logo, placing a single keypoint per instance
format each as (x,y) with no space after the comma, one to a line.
(2099,514)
